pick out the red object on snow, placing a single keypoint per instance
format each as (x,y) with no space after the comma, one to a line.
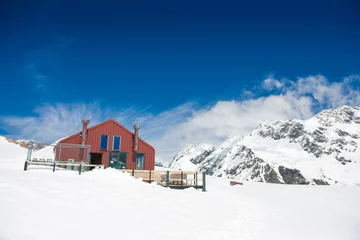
(233,183)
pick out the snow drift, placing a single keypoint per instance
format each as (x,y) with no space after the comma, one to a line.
(107,204)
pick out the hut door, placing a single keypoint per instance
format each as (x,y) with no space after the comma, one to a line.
(140,161)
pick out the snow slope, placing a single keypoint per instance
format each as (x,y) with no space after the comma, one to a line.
(10,149)
(44,153)
(320,150)
(12,155)
(105,204)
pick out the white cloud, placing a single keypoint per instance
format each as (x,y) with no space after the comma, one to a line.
(189,123)
(246,94)
(53,121)
(158,124)
(271,83)
(298,99)
(327,94)
(229,118)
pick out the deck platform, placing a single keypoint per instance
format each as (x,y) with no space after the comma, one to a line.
(171,178)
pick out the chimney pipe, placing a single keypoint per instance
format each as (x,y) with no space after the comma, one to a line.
(135,143)
(136,135)
(85,122)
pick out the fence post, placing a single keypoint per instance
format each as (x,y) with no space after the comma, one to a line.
(28,157)
(167,178)
(132,172)
(54,166)
(196,179)
(182,179)
(204,181)
(60,152)
(80,168)
(150,176)
(30,147)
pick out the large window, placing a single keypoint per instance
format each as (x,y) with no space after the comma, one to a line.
(118,160)
(103,142)
(140,161)
(116,143)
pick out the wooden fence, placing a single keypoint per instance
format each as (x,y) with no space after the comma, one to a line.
(63,164)
(172,178)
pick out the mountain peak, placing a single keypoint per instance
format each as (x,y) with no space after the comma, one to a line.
(343,115)
(190,156)
(320,150)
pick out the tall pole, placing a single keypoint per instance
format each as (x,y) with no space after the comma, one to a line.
(135,143)
(30,148)
(85,122)
(82,153)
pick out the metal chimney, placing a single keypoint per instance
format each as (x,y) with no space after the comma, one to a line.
(136,135)
(85,122)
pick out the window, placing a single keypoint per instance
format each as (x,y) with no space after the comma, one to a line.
(116,143)
(140,160)
(103,142)
(118,160)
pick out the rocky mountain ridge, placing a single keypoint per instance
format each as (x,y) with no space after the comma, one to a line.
(26,143)
(35,144)
(320,150)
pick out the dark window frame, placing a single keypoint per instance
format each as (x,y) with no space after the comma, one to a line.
(113,145)
(117,153)
(143,165)
(107,142)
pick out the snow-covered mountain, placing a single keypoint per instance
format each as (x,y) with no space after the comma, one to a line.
(26,143)
(190,157)
(320,150)
(35,144)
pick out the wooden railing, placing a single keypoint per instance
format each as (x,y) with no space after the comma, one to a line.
(171,178)
(62,164)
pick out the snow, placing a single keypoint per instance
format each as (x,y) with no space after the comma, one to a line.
(107,204)
(10,152)
(284,153)
(182,159)
(44,153)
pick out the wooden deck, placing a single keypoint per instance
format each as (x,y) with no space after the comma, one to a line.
(172,178)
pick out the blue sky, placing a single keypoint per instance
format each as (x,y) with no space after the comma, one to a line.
(164,63)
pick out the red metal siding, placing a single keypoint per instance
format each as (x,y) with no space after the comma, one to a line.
(78,154)
(112,128)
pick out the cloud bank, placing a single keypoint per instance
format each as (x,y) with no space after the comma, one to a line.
(190,123)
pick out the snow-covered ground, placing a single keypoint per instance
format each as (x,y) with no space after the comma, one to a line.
(106,204)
